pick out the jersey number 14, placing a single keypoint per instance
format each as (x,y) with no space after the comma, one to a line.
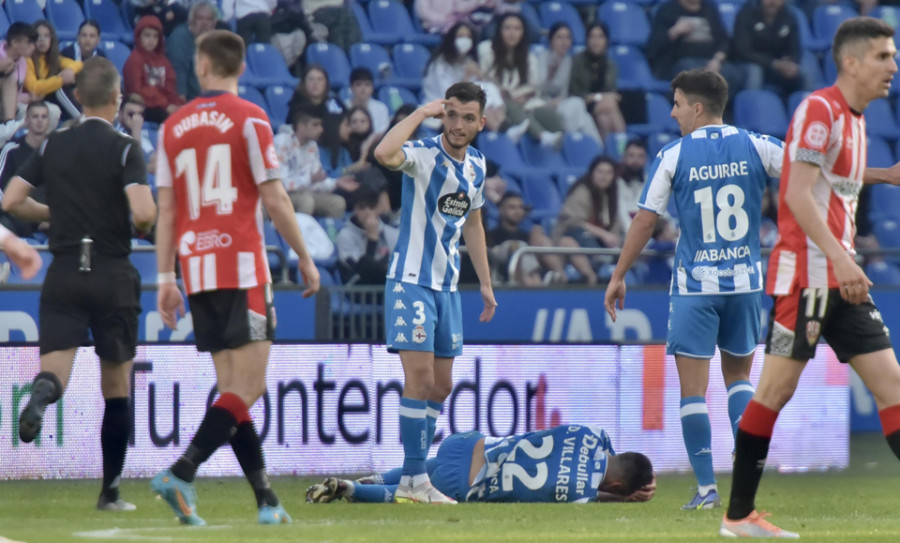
(216,188)
(730,199)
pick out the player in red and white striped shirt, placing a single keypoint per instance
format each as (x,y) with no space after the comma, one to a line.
(215,164)
(819,289)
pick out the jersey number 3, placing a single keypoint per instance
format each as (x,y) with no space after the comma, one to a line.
(216,188)
(730,199)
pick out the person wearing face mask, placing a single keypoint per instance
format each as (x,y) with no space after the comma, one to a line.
(452,61)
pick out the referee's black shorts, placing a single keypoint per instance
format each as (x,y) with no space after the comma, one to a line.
(106,301)
(229,319)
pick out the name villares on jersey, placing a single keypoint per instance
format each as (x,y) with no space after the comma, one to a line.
(205,118)
(585,455)
(718,171)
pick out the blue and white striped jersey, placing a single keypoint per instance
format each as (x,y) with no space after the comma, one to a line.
(438,193)
(717,175)
(562,464)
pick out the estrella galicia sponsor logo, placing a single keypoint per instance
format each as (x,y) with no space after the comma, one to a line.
(455,204)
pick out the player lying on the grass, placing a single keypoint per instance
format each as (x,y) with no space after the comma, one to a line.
(571,463)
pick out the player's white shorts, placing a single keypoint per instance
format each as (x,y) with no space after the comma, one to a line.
(417,318)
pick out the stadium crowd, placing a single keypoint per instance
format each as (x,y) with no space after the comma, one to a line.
(578,106)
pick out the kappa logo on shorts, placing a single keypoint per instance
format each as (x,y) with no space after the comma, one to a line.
(813,330)
(398,288)
(399,305)
(419,335)
(400,322)
(401,338)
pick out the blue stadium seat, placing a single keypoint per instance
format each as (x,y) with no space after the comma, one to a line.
(394,97)
(828,17)
(579,150)
(656,141)
(26,11)
(410,60)
(884,203)
(540,156)
(794,100)
(369,35)
(627,22)
(252,94)
(333,59)
(810,66)
(540,191)
(373,57)
(562,12)
(890,15)
(143,257)
(4,24)
(501,150)
(807,39)
(879,154)
(116,51)
(65,15)
(887,232)
(659,116)
(880,120)
(634,72)
(533,28)
(829,68)
(566,178)
(274,244)
(15,277)
(278,98)
(112,24)
(883,274)
(267,67)
(760,111)
(615,145)
(728,12)
(391,17)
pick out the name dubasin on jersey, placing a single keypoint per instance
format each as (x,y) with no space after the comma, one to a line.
(204,118)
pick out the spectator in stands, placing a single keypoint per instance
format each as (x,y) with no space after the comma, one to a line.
(149,73)
(335,17)
(594,79)
(511,234)
(315,90)
(333,151)
(131,122)
(589,216)
(507,62)
(767,38)
(438,16)
(362,87)
(311,190)
(51,77)
(292,31)
(365,243)
(631,173)
(14,51)
(170,14)
(14,155)
(254,18)
(555,65)
(453,60)
(180,47)
(361,134)
(688,34)
(86,44)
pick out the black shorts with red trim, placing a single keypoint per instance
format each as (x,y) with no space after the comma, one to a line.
(232,318)
(801,317)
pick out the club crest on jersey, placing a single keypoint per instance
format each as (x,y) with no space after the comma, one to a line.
(456,204)
(419,335)
(813,329)
(816,134)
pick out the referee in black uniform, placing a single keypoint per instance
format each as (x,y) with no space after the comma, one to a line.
(94,177)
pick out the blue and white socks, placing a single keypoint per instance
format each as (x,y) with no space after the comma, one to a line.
(697,433)
(739,395)
(414,435)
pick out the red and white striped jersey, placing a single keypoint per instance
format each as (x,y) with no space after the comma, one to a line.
(214,152)
(826,132)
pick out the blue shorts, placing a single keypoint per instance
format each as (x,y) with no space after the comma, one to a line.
(454,461)
(698,323)
(417,318)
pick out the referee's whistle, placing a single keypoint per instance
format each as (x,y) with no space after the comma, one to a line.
(84,261)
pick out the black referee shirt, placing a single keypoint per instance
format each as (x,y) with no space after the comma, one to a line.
(85,170)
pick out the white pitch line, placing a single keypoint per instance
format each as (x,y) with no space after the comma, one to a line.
(5,540)
(131,534)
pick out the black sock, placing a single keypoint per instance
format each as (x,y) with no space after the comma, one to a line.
(46,388)
(114,436)
(248,450)
(216,429)
(750,459)
(894,442)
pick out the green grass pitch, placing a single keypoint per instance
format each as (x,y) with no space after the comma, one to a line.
(859,504)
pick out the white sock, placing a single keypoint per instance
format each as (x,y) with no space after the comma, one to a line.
(703,490)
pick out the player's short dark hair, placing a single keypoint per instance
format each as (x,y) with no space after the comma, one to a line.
(89,22)
(225,51)
(97,81)
(19,30)
(305,113)
(855,30)
(35,104)
(361,74)
(467,92)
(637,471)
(704,86)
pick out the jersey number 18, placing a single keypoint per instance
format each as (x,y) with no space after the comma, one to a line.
(730,199)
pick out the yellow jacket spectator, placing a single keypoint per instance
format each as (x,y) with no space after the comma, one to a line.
(51,76)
